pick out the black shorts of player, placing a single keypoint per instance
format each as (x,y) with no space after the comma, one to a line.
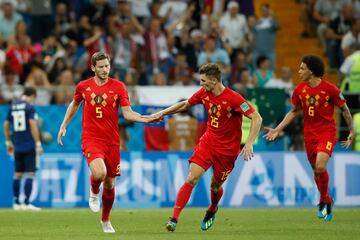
(25,161)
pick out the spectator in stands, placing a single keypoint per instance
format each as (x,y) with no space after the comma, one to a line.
(324,12)
(158,79)
(84,29)
(65,22)
(351,38)
(240,62)
(307,19)
(213,54)
(263,72)
(124,50)
(185,46)
(98,12)
(42,23)
(65,87)
(216,32)
(265,35)
(51,48)
(235,28)
(20,30)
(349,73)
(171,11)
(8,19)
(98,41)
(37,78)
(19,56)
(58,66)
(284,82)
(180,73)
(10,89)
(157,55)
(337,29)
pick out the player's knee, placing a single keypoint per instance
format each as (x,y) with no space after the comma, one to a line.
(192,180)
(215,187)
(320,168)
(99,175)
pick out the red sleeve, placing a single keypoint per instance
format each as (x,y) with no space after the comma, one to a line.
(337,96)
(124,100)
(241,105)
(295,100)
(196,98)
(78,95)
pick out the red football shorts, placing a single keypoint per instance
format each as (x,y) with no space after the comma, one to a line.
(110,154)
(205,157)
(313,148)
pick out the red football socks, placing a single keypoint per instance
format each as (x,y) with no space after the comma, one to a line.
(108,197)
(95,185)
(182,198)
(322,181)
(215,198)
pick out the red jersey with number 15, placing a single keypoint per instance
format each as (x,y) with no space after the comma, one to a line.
(101,107)
(318,108)
(225,113)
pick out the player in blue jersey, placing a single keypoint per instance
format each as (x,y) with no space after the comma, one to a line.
(22,138)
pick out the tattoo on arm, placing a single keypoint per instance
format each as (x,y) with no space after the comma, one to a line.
(347,116)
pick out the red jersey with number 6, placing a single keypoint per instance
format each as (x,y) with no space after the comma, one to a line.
(225,113)
(318,108)
(100,110)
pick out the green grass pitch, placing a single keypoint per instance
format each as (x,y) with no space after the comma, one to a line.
(148,224)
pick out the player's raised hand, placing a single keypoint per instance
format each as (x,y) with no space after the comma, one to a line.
(62,132)
(348,142)
(248,152)
(272,134)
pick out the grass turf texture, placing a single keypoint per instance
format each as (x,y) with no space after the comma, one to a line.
(148,224)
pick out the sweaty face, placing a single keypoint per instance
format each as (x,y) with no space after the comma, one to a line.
(102,69)
(304,72)
(207,83)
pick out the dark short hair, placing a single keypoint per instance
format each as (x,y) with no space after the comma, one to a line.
(30,91)
(99,56)
(314,64)
(260,60)
(211,70)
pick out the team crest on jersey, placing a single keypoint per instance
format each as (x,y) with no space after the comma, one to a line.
(88,155)
(312,100)
(98,99)
(214,109)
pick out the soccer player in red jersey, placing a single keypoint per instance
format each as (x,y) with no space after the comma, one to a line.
(219,147)
(317,98)
(101,97)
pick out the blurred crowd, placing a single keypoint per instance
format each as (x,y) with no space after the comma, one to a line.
(47,44)
(336,23)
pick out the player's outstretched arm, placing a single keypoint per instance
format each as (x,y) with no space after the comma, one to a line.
(130,115)
(349,122)
(273,133)
(256,121)
(176,108)
(70,112)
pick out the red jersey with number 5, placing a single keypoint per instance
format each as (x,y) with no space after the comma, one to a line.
(225,113)
(318,108)
(100,109)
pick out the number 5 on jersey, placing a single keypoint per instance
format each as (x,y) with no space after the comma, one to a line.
(98,112)
(311,111)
